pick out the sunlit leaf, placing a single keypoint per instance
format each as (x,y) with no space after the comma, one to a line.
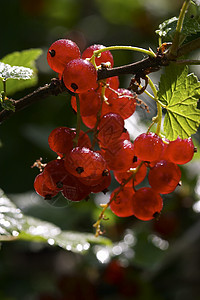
(14,225)
(25,59)
(179,92)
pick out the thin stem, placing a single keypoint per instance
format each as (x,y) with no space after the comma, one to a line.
(78,122)
(148,52)
(179,26)
(188,62)
(158,118)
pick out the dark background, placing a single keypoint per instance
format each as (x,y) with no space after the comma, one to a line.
(161,259)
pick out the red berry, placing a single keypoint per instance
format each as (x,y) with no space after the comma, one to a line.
(121,102)
(119,156)
(60,53)
(139,176)
(41,187)
(104,57)
(102,185)
(74,190)
(148,146)
(111,127)
(146,203)
(122,205)
(90,103)
(90,121)
(164,177)
(180,151)
(55,174)
(83,163)
(80,76)
(61,140)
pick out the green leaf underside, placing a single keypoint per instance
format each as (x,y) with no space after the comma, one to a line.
(179,92)
(168,27)
(14,225)
(26,59)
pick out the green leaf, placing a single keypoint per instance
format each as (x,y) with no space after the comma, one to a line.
(168,27)
(26,59)
(14,225)
(15,72)
(179,93)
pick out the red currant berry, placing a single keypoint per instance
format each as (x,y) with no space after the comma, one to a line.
(146,203)
(42,189)
(90,103)
(83,162)
(180,151)
(79,76)
(138,178)
(74,190)
(60,53)
(148,146)
(104,57)
(111,127)
(61,140)
(122,205)
(55,174)
(103,184)
(119,156)
(164,177)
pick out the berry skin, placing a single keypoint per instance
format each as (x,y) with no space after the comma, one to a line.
(121,102)
(122,205)
(139,176)
(74,190)
(79,76)
(146,203)
(102,185)
(148,146)
(90,103)
(164,177)
(61,140)
(42,189)
(83,163)
(111,127)
(104,57)
(119,156)
(180,151)
(60,53)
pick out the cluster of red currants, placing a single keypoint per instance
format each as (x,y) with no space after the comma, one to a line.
(79,169)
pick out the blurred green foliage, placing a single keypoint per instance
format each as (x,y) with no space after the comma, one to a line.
(146,268)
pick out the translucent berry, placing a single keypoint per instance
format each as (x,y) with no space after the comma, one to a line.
(41,187)
(61,140)
(164,177)
(90,103)
(138,178)
(55,174)
(104,57)
(148,146)
(111,127)
(122,205)
(119,156)
(80,75)
(60,53)
(121,102)
(180,151)
(146,203)
(74,190)
(83,162)
(102,185)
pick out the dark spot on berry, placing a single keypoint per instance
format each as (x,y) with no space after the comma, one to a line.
(79,170)
(74,86)
(48,197)
(105,191)
(134,158)
(156,215)
(52,53)
(59,184)
(195,149)
(124,130)
(105,172)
